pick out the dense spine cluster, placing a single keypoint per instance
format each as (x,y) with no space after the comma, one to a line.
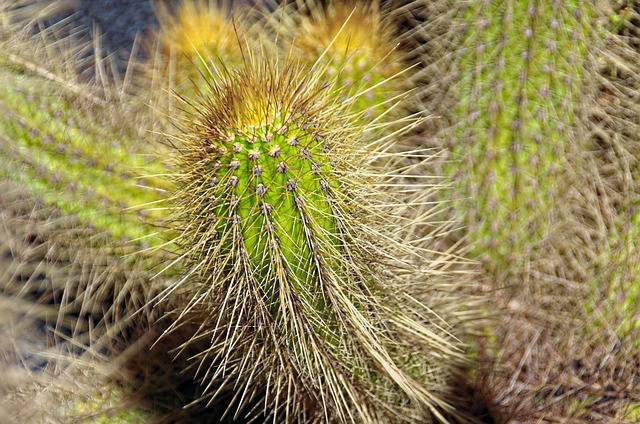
(613,128)
(81,203)
(539,122)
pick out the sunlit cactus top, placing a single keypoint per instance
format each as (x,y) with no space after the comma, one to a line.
(355,42)
(190,33)
(196,28)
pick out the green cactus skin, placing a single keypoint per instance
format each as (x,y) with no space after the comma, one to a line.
(292,262)
(519,82)
(256,179)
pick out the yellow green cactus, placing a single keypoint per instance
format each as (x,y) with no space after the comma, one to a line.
(106,409)
(352,43)
(86,167)
(519,83)
(292,252)
(195,35)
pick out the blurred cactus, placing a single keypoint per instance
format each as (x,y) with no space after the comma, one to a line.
(86,168)
(76,173)
(352,43)
(613,127)
(539,101)
(519,72)
(194,36)
(196,29)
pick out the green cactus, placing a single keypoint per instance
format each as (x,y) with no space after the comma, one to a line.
(292,232)
(519,81)
(540,112)
(75,175)
(293,256)
(353,44)
(87,169)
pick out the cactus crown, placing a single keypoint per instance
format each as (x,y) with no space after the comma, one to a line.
(351,26)
(196,27)
(353,42)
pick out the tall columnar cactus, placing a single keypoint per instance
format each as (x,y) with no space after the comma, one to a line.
(519,69)
(544,149)
(76,172)
(296,258)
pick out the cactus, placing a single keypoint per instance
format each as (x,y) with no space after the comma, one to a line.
(196,29)
(75,176)
(613,130)
(613,304)
(79,145)
(353,44)
(293,258)
(300,218)
(193,33)
(552,221)
(65,156)
(519,80)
